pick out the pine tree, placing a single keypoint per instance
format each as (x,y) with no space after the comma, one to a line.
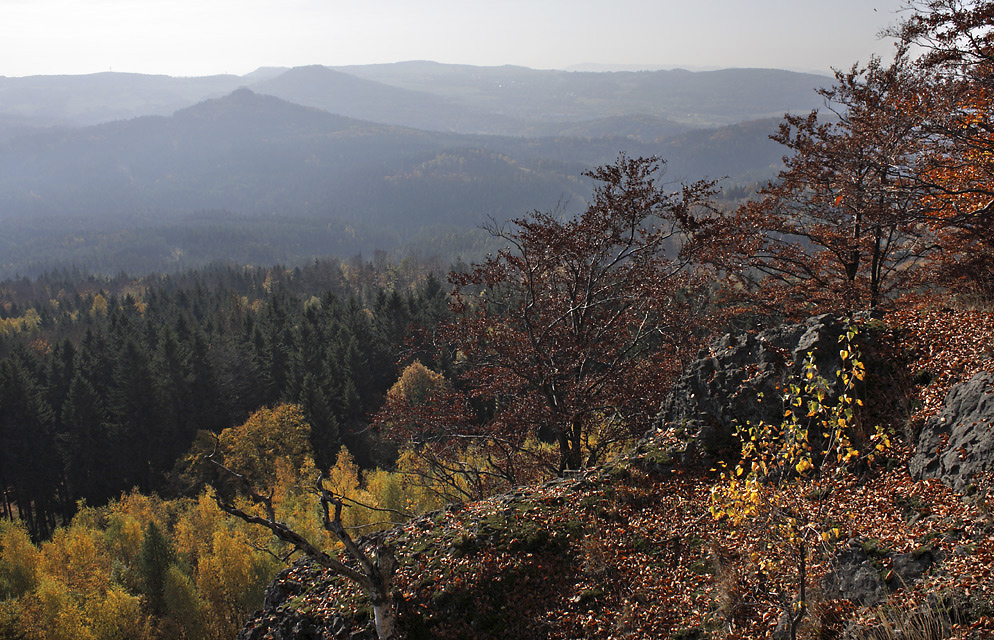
(138,442)
(29,461)
(84,443)
(156,557)
(325,437)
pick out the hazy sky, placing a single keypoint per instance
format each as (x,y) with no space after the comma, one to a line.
(200,37)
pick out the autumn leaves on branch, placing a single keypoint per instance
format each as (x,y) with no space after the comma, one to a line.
(573,331)
(889,187)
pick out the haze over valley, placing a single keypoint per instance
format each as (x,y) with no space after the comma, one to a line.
(127,143)
(119,171)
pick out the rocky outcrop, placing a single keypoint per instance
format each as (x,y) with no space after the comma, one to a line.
(866,574)
(957,445)
(740,379)
(292,625)
(545,525)
(281,620)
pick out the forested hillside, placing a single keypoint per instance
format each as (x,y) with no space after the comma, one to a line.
(252,178)
(107,383)
(425,95)
(667,406)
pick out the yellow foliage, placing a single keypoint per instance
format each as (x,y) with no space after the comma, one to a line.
(81,584)
(431,481)
(99,306)
(117,616)
(52,613)
(416,384)
(784,467)
(124,536)
(434,477)
(229,572)
(252,448)
(231,579)
(343,480)
(424,488)
(27,323)
(19,560)
(183,604)
(295,500)
(387,489)
(193,534)
(78,558)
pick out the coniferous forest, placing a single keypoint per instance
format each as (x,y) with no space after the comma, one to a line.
(109,384)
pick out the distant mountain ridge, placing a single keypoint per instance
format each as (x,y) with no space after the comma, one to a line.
(282,165)
(102,97)
(298,181)
(347,94)
(705,98)
(441,97)
(253,153)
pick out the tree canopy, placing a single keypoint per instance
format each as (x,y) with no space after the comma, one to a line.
(570,331)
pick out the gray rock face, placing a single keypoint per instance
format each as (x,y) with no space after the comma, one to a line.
(863,573)
(869,577)
(855,577)
(290,626)
(721,389)
(957,445)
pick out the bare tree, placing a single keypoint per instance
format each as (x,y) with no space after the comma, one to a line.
(372,571)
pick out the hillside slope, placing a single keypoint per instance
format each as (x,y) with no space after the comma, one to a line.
(631,550)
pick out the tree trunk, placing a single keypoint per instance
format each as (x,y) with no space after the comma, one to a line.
(374,575)
(384,611)
(385,620)
(570,454)
(802,577)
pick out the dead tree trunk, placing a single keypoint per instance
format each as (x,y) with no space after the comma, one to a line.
(374,575)
(377,571)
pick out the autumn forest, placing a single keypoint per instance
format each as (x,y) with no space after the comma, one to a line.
(492,444)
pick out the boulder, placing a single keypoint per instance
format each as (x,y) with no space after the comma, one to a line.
(957,445)
(741,379)
(867,575)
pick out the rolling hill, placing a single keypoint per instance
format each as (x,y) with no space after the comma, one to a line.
(287,170)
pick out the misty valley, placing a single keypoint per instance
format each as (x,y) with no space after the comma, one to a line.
(122,172)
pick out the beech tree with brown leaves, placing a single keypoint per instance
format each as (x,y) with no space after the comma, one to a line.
(957,42)
(954,35)
(574,330)
(843,223)
(899,175)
